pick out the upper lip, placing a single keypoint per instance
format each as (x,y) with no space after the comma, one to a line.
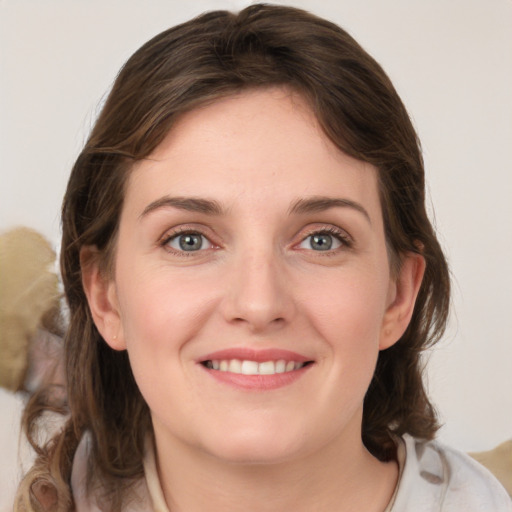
(250,354)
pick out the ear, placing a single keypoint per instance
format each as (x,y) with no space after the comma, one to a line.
(402,298)
(101,294)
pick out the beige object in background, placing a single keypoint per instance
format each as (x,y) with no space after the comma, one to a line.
(499,462)
(28,289)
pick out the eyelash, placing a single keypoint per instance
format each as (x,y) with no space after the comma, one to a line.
(341,236)
(168,237)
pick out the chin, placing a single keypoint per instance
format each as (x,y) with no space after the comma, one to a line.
(256,447)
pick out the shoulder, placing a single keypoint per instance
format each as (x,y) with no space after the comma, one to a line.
(435,477)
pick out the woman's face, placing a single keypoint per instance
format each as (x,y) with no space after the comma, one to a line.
(252,286)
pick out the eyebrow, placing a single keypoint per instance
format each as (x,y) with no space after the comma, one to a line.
(317,204)
(313,204)
(190,204)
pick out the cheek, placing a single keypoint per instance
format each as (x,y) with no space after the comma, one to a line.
(349,310)
(162,310)
(159,317)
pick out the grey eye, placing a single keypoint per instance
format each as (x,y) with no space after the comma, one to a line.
(188,242)
(320,242)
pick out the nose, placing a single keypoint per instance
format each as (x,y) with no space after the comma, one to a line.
(258,294)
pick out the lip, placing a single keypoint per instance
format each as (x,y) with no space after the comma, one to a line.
(260,356)
(256,382)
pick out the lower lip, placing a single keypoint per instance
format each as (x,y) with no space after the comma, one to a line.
(258,382)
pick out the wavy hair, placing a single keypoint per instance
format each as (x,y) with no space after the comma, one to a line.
(213,56)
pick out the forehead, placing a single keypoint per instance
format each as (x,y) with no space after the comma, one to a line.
(248,147)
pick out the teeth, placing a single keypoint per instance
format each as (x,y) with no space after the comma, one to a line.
(250,368)
(280,366)
(267,368)
(247,367)
(235,366)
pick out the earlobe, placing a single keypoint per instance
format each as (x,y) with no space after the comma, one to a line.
(401,307)
(101,294)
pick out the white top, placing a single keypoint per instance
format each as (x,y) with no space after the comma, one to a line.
(436,478)
(433,478)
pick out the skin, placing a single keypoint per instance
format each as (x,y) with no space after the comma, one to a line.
(257,282)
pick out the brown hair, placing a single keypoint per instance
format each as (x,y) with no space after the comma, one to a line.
(213,56)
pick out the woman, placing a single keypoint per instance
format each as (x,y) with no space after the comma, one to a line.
(252,277)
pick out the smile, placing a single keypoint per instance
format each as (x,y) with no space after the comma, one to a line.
(248,367)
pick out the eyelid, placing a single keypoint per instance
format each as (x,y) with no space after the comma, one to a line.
(185,229)
(340,234)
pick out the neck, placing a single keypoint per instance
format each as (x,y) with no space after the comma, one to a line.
(342,476)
